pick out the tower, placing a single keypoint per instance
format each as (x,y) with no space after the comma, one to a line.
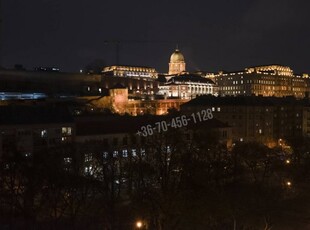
(177,63)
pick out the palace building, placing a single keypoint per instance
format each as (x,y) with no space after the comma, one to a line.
(130,71)
(181,84)
(187,86)
(177,63)
(271,80)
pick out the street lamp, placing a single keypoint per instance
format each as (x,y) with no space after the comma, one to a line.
(139,224)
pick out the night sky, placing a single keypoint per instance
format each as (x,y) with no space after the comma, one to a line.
(213,35)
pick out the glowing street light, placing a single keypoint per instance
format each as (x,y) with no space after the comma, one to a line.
(139,224)
(289,184)
(287,161)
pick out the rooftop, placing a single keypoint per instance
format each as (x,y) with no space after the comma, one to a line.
(190,78)
(210,100)
(27,115)
(99,125)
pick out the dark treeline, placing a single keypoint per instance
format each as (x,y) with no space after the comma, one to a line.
(171,181)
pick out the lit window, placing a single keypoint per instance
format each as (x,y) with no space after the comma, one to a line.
(43,133)
(219,109)
(168,149)
(125,153)
(213,109)
(67,160)
(105,154)
(88,157)
(27,154)
(66,131)
(89,170)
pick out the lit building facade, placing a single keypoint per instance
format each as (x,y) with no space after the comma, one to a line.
(263,119)
(183,85)
(187,86)
(30,129)
(139,88)
(130,71)
(273,80)
(177,63)
(118,102)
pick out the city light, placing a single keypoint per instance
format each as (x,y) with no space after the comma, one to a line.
(139,224)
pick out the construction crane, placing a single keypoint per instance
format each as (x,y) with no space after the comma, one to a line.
(118,43)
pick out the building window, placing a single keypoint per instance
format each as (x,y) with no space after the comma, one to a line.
(67,160)
(134,152)
(67,131)
(43,133)
(88,170)
(27,154)
(105,155)
(88,157)
(125,153)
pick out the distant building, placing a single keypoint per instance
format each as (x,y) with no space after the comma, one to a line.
(120,134)
(137,88)
(47,69)
(119,137)
(117,101)
(264,119)
(51,83)
(130,71)
(272,80)
(177,63)
(187,86)
(181,84)
(27,129)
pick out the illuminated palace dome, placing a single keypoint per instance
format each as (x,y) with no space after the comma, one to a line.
(177,63)
(176,56)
